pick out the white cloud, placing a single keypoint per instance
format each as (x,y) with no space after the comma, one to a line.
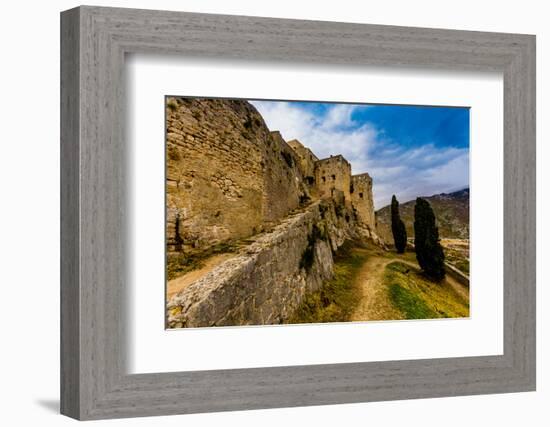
(327,136)
(407,172)
(339,116)
(424,171)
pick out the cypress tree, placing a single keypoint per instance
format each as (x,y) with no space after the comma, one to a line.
(398,227)
(429,252)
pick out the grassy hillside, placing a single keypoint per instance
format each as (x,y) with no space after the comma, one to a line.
(451,210)
(419,298)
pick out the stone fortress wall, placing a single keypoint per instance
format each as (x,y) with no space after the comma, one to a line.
(230,179)
(266,283)
(307,160)
(227,176)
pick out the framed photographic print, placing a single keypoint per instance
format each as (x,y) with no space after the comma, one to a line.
(261,213)
(300,232)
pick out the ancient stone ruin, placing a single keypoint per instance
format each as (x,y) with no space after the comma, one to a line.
(229,179)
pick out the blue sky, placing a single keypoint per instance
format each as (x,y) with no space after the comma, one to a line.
(408,151)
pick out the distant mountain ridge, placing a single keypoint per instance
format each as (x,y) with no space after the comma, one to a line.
(452,211)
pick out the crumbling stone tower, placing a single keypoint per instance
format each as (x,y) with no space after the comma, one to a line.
(306,163)
(333,178)
(361,198)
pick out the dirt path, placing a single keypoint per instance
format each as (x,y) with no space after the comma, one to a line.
(375,303)
(180,283)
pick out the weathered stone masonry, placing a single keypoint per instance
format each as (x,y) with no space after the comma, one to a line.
(332,178)
(227,175)
(267,281)
(230,178)
(307,161)
(361,198)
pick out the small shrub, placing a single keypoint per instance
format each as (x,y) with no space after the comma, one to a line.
(323,208)
(320,231)
(308,256)
(306,261)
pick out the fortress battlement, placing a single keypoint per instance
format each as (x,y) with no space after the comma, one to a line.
(229,177)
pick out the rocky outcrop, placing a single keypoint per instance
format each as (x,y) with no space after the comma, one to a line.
(269,278)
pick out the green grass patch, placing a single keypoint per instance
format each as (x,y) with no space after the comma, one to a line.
(181,263)
(409,303)
(417,297)
(337,299)
(177,265)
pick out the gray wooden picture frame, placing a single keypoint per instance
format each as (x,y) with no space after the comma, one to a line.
(94,41)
